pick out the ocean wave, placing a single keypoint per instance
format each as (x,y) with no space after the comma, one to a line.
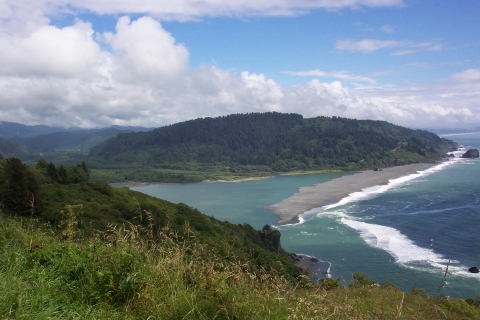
(457,134)
(404,250)
(368,193)
(394,242)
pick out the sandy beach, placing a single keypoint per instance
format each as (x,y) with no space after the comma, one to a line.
(239,180)
(129,184)
(133,184)
(308,198)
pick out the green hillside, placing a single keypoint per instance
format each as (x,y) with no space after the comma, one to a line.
(70,249)
(11,149)
(271,142)
(49,193)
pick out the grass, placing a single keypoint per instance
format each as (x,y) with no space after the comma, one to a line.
(121,274)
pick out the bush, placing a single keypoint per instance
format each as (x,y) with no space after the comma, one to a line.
(361,279)
(329,283)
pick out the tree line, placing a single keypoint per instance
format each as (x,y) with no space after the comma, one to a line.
(21,186)
(282,142)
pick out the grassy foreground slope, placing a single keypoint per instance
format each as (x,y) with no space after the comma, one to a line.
(262,143)
(124,275)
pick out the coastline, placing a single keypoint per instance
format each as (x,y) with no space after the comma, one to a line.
(316,269)
(240,180)
(130,184)
(308,198)
(295,173)
(133,184)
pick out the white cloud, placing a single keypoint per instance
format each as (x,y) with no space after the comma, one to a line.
(366,45)
(470,75)
(188,9)
(342,75)
(387,29)
(371,45)
(49,51)
(147,52)
(106,98)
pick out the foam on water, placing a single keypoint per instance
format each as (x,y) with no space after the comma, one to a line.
(458,134)
(368,193)
(404,250)
(394,242)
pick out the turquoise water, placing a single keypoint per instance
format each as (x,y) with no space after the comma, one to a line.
(237,202)
(405,233)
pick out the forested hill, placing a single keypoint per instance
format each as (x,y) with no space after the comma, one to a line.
(279,142)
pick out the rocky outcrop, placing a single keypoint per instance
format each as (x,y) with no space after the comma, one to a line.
(473,270)
(472,153)
(274,243)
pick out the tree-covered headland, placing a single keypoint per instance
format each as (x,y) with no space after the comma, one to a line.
(261,144)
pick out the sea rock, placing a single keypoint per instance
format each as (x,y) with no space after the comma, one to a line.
(473,270)
(472,153)
(294,257)
(274,243)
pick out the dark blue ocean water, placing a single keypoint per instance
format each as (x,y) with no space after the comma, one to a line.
(406,233)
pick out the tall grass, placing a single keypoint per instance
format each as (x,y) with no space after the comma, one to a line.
(132,273)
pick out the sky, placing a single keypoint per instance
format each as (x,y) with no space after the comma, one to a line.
(96,63)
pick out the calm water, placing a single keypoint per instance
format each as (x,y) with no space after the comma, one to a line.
(405,233)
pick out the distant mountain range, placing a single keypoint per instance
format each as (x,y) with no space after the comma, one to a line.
(29,142)
(17,130)
(10,130)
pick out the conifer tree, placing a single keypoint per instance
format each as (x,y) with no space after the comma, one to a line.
(19,189)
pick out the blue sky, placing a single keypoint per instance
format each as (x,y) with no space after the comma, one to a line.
(97,63)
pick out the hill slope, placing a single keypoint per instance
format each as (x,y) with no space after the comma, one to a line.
(278,142)
(49,194)
(12,149)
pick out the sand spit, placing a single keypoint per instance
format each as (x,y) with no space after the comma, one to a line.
(130,184)
(308,198)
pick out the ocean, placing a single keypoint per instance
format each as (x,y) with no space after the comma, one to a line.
(406,232)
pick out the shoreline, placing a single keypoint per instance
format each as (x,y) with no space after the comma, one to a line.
(296,173)
(133,184)
(239,180)
(308,198)
(316,269)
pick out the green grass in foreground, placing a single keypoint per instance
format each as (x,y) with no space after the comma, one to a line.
(121,275)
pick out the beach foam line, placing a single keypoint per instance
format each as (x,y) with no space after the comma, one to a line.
(404,250)
(368,193)
(348,189)
(457,134)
